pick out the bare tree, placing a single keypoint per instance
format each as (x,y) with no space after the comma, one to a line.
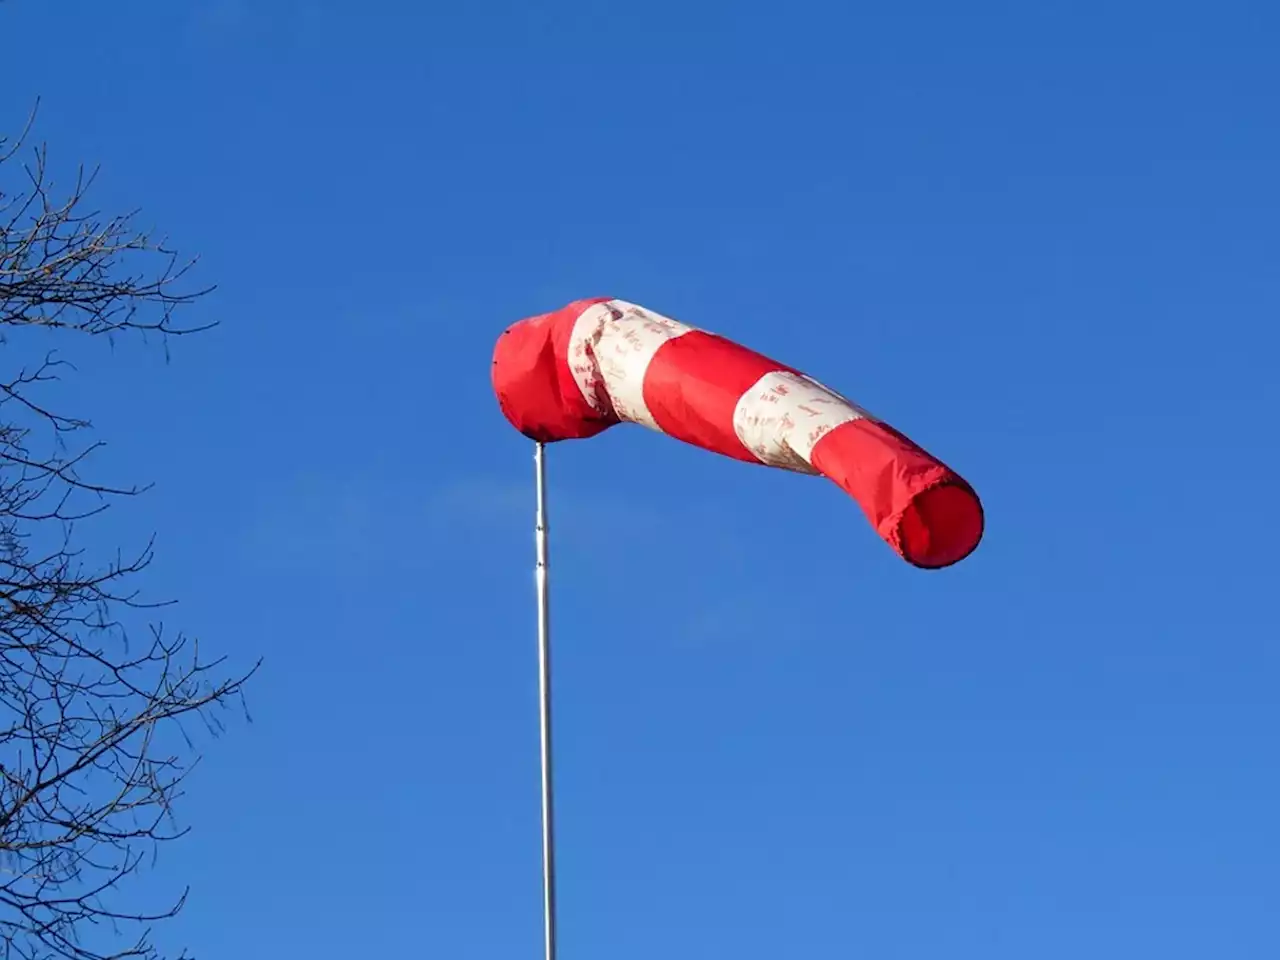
(96,697)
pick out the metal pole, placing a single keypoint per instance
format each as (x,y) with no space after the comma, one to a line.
(541,579)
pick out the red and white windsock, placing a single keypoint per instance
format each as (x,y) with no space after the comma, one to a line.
(581,369)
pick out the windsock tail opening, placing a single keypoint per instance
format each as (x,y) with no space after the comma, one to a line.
(940,526)
(926,512)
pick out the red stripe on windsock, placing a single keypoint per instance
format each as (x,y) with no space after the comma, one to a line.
(534,383)
(919,506)
(693,385)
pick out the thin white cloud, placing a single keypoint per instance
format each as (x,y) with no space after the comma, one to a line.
(221,16)
(480,500)
(574,515)
(348,524)
(306,531)
(235,21)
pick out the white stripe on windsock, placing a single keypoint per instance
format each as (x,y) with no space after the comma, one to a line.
(622,338)
(582,359)
(784,415)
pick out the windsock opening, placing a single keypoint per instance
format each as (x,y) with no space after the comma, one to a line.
(941,526)
(535,386)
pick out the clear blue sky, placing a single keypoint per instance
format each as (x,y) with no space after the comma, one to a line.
(1040,238)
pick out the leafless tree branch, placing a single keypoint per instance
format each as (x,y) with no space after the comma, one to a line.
(95,722)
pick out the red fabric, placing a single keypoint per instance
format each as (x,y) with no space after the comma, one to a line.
(921,507)
(693,384)
(531,377)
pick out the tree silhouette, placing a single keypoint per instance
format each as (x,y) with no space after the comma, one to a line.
(97,698)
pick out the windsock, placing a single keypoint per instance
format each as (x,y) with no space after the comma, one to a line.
(577,371)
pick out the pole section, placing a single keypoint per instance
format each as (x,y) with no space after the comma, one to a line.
(542,582)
